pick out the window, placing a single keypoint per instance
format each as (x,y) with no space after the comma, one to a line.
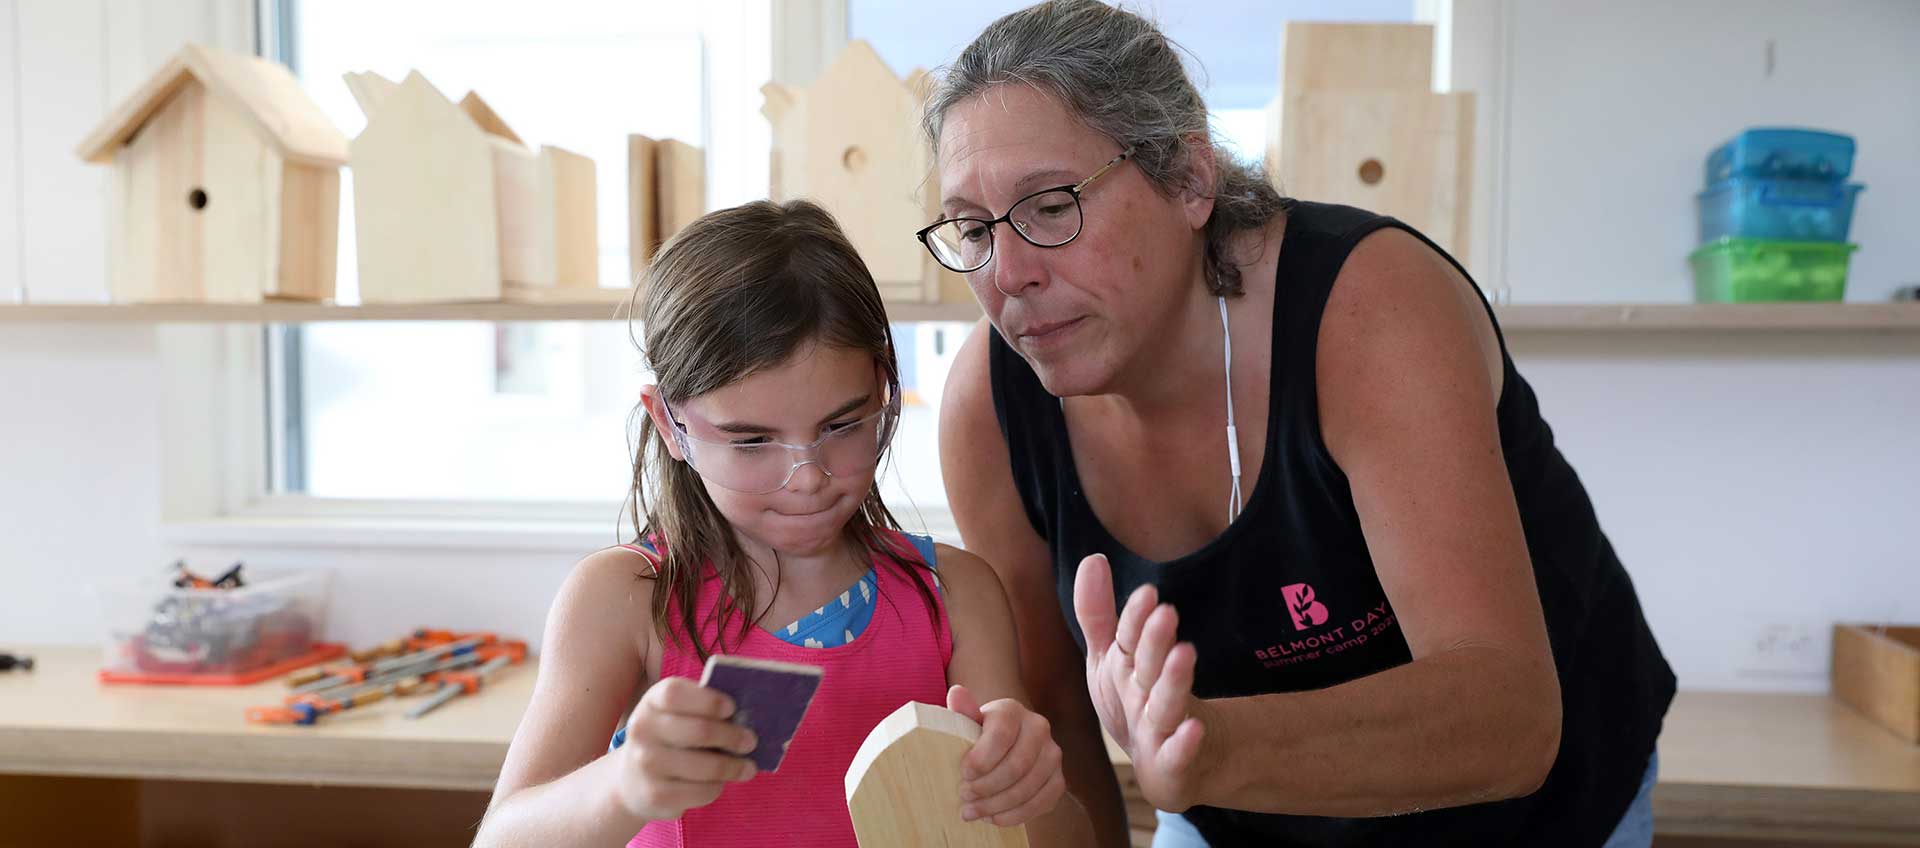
(519,413)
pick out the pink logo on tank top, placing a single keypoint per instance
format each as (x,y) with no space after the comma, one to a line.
(1306,611)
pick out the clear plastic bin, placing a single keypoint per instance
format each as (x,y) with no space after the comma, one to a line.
(1734,270)
(1783,153)
(158,631)
(1782,210)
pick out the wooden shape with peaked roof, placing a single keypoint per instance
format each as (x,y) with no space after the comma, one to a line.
(423,201)
(851,142)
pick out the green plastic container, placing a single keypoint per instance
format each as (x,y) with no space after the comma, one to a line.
(1744,270)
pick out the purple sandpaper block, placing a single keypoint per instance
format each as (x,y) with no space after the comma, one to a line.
(770,699)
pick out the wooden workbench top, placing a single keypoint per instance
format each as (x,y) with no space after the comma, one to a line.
(1752,765)
(1784,766)
(58,719)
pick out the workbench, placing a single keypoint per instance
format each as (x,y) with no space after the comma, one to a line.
(142,765)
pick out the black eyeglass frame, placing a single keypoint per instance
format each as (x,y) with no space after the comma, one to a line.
(1073,190)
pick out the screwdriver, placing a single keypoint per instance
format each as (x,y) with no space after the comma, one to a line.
(458,683)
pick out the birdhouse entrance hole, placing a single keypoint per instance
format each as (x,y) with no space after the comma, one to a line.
(197,199)
(854,160)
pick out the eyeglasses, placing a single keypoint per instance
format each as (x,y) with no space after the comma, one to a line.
(759,465)
(1046,218)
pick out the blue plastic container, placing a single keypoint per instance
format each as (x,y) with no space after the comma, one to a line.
(1781,210)
(1783,153)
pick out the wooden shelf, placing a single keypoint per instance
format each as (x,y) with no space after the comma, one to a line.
(1733,317)
(305,313)
(1517,318)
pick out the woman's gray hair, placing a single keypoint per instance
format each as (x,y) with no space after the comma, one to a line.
(1121,77)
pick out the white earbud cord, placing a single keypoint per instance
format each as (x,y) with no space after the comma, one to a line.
(1233,438)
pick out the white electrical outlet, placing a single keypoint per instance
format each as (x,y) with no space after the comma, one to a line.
(1784,649)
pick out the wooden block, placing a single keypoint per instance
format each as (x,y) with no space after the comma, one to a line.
(1877,671)
(574,198)
(369,90)
(903,788)
(488,120)
(424,202)
(680,181)
(309,248)
(1405,154)
(643,223)
(521,190)
(1356,57)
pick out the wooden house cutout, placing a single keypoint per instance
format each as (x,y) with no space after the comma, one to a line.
(423,201)
(903,787)
(851,142)
(1357,122)
(226,184)
(540,206)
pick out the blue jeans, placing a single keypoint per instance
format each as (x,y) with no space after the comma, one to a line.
(1635,829)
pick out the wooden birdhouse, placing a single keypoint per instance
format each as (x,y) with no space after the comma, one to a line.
(450,204)
(226,184)
(851,142)
(1357,122)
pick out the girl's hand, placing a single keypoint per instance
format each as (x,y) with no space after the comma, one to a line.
(1012,774)
(680,750)
(1141,683)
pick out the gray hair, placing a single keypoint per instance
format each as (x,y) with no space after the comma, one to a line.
(1114,71)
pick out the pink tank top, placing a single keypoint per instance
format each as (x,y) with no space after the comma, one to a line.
(900,657)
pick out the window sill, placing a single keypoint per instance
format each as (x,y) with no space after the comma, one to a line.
(447,534)
(575,537)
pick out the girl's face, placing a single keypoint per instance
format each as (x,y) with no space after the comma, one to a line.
(822,394)
(1085,312)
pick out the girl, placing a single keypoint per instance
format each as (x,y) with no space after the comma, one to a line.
(764,536)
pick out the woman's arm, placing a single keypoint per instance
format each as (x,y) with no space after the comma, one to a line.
(1407,371)
(979,481)
(559,784)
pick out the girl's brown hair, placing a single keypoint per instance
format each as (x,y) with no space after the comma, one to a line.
(737,291)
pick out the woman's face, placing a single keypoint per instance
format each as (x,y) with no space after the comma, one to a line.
(1085,314)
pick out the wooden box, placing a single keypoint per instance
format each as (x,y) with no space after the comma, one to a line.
(226,184)
(1876,670)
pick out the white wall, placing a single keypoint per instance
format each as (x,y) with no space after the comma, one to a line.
(1614,106)
(1748,481)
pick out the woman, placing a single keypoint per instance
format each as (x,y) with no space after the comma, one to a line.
(1365,599)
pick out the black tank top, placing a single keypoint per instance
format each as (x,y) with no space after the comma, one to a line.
(1290,601)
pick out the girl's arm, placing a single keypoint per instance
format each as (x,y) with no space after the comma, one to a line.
(559,784)
(1014,772)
